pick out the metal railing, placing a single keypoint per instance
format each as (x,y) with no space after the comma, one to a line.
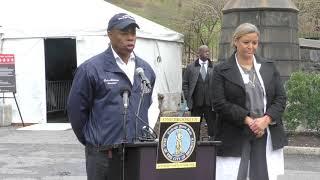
(57,95)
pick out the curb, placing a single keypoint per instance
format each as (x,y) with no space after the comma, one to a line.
(301,150)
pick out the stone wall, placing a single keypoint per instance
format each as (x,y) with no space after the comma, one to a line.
(310,54)
(311,58)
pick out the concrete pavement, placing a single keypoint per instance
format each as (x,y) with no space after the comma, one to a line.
(301,167)
(40,155)
(302,150)
(57,155)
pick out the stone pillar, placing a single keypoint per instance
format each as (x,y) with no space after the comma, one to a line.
(277,21)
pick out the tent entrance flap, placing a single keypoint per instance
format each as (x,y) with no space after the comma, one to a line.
(60,65)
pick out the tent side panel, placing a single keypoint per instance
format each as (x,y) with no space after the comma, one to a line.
(165,57)
(89,46)
(30,79)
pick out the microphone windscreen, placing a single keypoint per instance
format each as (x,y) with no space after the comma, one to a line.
(125,89)
(139,70)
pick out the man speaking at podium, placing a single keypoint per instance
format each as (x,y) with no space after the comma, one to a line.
(96,107)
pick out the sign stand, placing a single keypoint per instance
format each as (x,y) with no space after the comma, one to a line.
(15,99)
(8,77)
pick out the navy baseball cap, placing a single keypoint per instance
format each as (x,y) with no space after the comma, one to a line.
(121,21)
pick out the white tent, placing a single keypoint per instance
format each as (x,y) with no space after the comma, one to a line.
(25,25)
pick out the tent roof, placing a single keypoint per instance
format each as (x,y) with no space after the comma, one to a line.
(63,18)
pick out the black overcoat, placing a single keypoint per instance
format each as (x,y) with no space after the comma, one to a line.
(229,100)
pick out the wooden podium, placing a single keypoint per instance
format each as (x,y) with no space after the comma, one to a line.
(141,163)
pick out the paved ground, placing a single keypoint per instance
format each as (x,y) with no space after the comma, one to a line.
(40,155)
(56,155)
(301,167)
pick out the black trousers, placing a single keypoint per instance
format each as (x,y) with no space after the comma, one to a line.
(255,151)
(103,165)
(210,116)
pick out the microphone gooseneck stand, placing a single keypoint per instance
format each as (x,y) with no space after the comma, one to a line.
(125,93)
(124,140)
(143,91)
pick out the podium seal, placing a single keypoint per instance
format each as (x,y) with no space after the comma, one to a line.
(178,142)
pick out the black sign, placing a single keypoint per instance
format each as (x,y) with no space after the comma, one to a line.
(7,73)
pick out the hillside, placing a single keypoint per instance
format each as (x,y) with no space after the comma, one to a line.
(165,12)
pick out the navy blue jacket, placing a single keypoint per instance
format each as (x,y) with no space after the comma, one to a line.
(95,106)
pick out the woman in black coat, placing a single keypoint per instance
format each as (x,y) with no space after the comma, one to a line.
(250,99)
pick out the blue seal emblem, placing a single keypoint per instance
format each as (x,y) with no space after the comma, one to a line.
(178,142)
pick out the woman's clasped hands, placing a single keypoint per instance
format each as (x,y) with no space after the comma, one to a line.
(258,125)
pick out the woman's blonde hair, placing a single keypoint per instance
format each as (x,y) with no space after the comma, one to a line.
(243,29)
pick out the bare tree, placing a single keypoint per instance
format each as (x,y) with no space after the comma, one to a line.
(309,15)
(202,25)
(198,20)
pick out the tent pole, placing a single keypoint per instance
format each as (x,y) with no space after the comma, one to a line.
(1,41)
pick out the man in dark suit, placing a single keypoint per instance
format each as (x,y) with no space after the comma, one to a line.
(196,84)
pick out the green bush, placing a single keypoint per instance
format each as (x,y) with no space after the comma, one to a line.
(303,104)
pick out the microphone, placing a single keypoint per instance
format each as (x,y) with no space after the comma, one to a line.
(125,94)
(143,77)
